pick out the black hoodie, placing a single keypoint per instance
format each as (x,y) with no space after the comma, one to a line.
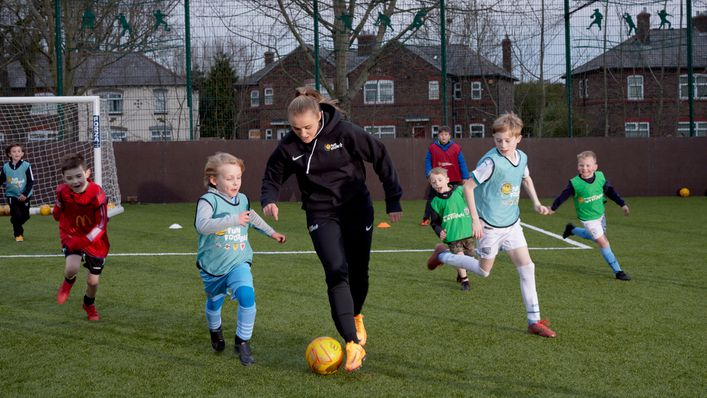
(330,169)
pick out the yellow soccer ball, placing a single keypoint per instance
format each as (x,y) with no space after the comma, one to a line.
(45,210)
(110,205)
(684,192)
(324,355)
(5,210)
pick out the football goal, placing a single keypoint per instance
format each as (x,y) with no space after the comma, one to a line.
(50,127)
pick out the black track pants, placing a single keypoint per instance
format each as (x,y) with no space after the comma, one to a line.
(342,240)
(19,214)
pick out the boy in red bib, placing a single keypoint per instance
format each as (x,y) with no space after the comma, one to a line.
(81,209)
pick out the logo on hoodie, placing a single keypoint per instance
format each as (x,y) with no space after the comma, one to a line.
(331,147)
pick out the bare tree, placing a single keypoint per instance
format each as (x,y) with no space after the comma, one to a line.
(341,22)
(20,41)
(92,32)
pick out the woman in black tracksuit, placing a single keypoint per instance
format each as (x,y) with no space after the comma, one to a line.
(326,154)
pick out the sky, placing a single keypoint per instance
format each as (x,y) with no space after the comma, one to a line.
(249,33)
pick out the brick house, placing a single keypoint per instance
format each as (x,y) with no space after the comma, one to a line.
(401,97)
(646,84)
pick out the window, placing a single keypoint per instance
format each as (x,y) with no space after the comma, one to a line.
(457,91)
(637,129)
(267,96)
(634,91)
(160,133)
(458,131)
(113,102)
(268,134)
(381,131)
(433,90)
(118,133)
(435,131)
(160,101)
(41,136)
(43,109)
(583,88)
(254,98)
(700,129)
(476,90)
(476,130)
(699,85)
(378,92)
(322,90)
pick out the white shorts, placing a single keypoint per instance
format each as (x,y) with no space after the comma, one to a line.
(495,239)
(597,228)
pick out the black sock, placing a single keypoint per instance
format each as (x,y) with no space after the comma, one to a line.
(239,340)
(88,300)
(70,281)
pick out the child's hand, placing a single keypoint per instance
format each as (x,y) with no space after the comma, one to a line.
(395,216)
(542,209)
(550,212)
(22,198)
(443,234)
(279,237)
(244,218)
(626,210)
(477,230)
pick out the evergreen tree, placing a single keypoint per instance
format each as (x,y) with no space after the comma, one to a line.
(218,99)
(528,97)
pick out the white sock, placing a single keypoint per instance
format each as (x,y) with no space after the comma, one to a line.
(528,292)
(462,261)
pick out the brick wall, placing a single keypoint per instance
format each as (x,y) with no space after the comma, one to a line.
(157,172)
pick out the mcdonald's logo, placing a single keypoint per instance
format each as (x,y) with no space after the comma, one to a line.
(83,221)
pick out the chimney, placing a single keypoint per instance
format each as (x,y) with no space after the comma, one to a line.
(699,22)
(643,26)
(269,57)
(366,42)
(506,47)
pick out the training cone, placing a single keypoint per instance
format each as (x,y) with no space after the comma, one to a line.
(383,225)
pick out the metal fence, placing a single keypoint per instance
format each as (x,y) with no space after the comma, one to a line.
(184,70)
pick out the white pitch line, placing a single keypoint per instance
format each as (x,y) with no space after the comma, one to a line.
(554,235)
(266,253)
(577,246)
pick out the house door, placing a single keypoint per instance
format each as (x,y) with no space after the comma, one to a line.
(418,132)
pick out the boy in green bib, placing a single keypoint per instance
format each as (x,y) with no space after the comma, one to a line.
(450,218)
(588,189)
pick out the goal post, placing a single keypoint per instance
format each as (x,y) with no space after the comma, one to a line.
(50,127)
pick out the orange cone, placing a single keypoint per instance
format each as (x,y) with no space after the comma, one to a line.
(383,225)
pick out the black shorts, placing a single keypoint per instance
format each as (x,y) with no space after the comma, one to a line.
(93,264)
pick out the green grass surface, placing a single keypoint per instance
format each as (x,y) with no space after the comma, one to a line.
(426,338)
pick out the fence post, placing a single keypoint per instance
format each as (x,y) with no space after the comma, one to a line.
(690,85)
(187,45)
(57,48)
(443,46)
(315,10)
(568,69)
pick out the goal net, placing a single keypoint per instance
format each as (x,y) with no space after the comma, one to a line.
(51,127)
